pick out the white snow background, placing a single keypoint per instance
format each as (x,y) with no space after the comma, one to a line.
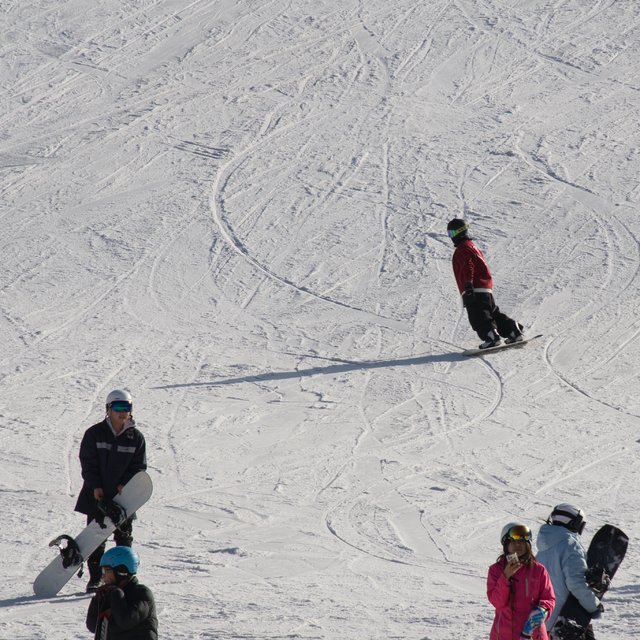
(237,210)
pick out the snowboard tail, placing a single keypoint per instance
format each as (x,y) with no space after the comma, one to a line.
(604,556)
(76,550)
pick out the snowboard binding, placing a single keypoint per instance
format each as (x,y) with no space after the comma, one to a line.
(70,551)
(111,510)
(567,629)
(597,579)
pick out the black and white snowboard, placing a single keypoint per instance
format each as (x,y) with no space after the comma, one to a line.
(604,556)
(76,550)
(500,347)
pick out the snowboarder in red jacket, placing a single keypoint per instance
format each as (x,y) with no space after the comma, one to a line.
(476,287)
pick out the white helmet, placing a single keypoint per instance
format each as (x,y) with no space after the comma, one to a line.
(568,516)
(119,395)
(521,530)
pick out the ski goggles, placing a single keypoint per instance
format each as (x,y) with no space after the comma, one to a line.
(519,532)
(454,232)
(121,405)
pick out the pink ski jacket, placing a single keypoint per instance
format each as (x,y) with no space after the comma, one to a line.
(514,599)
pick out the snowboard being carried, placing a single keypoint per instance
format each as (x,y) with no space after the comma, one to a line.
(76,550)
(604,556)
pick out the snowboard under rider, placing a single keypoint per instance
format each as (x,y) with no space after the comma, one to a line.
(111,453)
(122,608)
(562,553)
(519,588)
(476,287)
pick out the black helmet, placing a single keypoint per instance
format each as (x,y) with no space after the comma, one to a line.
(457,230)
(569,517)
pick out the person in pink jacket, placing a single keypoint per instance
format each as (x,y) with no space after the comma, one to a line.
(519,588)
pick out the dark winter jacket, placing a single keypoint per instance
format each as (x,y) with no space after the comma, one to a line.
(107,461)
(469,265)
(128,613)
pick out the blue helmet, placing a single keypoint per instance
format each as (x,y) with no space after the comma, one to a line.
(121,557)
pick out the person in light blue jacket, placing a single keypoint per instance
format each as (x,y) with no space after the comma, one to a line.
(565,559)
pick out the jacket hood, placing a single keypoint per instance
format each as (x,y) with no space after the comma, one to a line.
(129,424)
(552,535)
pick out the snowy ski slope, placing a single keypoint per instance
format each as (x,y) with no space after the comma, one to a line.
(237,210)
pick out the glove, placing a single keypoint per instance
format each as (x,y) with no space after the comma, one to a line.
(535,619)
(598,612)
(538,616)
(105,590)
(469,294)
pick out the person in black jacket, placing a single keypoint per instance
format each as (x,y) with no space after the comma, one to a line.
(122,608)
(111,453)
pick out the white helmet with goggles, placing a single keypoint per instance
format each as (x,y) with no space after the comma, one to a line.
(515,531)
(119,400)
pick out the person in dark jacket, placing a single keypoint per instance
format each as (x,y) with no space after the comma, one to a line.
(111,453)
(122,608)
(476,287)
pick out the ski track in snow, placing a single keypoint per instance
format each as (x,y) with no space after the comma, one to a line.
(236,210)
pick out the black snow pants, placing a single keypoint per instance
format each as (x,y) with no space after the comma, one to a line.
(484,315)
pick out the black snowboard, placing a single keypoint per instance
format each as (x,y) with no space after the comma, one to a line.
(604,556)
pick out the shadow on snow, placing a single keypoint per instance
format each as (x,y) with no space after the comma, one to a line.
(344,366)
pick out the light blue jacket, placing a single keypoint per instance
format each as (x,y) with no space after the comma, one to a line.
(564,557)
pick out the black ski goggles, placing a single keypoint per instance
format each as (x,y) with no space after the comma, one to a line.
(121,405)
(519,532)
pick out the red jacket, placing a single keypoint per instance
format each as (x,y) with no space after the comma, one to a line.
(530,587)
(469,265)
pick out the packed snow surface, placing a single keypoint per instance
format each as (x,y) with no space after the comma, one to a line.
(237,211)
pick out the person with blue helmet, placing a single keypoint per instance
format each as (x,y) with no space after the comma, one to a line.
(111,453)
(562,553)
(122,608)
